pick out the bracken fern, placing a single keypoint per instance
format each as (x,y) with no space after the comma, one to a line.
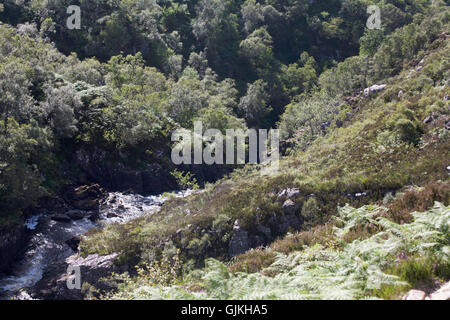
(353,271)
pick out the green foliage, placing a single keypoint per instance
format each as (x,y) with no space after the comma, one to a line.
(144,68)
(255,104)
(310,210)
(185,179)
(356,271)
(365,156)
(407,130)
(302,120)
(347,77)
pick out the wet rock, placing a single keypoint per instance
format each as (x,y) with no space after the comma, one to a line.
(51,204)
(85,197)
(61,218)
(74,242)
(77,214)
(12,245)
(94,216)
(53,285)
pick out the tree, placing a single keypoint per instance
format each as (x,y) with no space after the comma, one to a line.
(299,77)
(15,99)
(216,30)
(306,117)
(255,106)
(252,14)
(59,110)
(257,48)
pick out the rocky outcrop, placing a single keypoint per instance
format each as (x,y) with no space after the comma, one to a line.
(60,217)
(289,193)
(93,269)
(239,242)
(85,197)
(12,246)
(275,226)
(115,175)
(78,214)
(415,295)
(441,294)
(374,89)
(51,204)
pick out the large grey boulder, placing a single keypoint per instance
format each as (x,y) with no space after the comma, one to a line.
(443,293)
(54,284)
(374,89)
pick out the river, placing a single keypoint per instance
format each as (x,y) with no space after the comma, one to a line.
(48,245)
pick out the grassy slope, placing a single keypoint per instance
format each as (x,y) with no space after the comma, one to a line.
(367,154)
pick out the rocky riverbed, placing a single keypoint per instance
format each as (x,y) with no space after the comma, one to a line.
(54,236)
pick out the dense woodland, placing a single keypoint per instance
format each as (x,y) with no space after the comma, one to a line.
(139,69)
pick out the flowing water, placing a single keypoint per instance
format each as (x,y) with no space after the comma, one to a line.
(47,244)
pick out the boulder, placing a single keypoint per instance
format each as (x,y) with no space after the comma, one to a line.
(289,193)
(77,214)
(85,197)
(60,218)
(415,295)
(443,293)
(53,285)
(375,88)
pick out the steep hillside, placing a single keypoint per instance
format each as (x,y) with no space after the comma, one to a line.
(87,115)
(391,148)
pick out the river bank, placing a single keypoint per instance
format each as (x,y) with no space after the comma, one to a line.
(53,238)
